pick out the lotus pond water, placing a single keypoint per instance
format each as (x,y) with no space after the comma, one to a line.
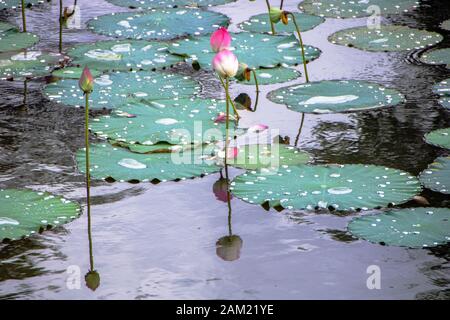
(131,172)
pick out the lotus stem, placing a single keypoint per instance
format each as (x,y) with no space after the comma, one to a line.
(227,125)
(301,45)
(25,92)
(300,129)
(228,98)
(257,89)
(24,19)
(281,4)
(230,230)
(271,23)
(88,180)
(60,24)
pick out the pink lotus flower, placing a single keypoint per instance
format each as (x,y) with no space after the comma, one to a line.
(226,64)
(257,128)
(86,82)
(220,40)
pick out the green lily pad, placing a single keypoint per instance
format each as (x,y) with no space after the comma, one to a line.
(28,64)
(335,96)
(387,38)
(446,25)
(160,147)
(124,55)
(73,73)
(440,138)
(355,9)
(437,56)
(413,227)
(272,76)
(25,212)
(160,24)
(183,121)
(14,4)
(255,49)
(437,176)
(151,4)
(113,90)
(257,156)
(11,39)
(443,89)
(261,23)
(122,165)
(342,187)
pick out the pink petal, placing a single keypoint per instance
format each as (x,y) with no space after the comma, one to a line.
(220,39)
(258,128)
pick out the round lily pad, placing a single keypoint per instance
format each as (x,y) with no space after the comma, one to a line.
(73,73)
(341,187)
(124,55)
(160,147)
(120,164)
(261,23)
(14,4)
(335,96)
(355,9)
(387,38)
(437,176)
(151,4)
(272,76)
(113,90)
(183,121)
(28,64)
(25,212)
(257,156)
(158,24)
(443,89)
(11,39)
(255,49)
(440,138)
(413,227)
(446,25)
(437,56)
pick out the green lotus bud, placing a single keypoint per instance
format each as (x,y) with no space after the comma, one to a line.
(275,14)
(92,279)
(243,73)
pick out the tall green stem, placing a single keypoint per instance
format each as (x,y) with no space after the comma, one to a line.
(230,231)
(228,98)
(281,5)
(301,45)
(227,125)
(25,92)
(60,24)
(257,90)
(24,19)
(300,130)
(88,179)
(268,13)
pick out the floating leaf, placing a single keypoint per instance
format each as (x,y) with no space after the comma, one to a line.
(122,165)
(387,38)
(257,156)
(73,73)
(183,121)
(161,147)
(15,4)
(124,55)
(355,9)
(342,187)
(261,23)
(437,176)
(11,39)
(113,90)
(413,227)
(25,212)
(273,75)
(28,64)
(443,89)
(446,25)
(335,96)
(440,138)
(151,4)
(437,56)
(255,49)
(160,24)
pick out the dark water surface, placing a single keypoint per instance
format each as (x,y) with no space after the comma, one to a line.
(158,241)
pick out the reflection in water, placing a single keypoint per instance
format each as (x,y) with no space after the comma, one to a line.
(92,278)
(299,130)
(228,247)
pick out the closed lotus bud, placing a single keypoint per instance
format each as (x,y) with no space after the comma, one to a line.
(243,73)
(92,279)
(86,82)
(220,40)
(229,248)
(226,64)
(275,14)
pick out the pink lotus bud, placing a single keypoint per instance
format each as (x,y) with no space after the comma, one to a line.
(226,64)
(232,153)
(86,82)
(222,117)
(220,40)
(257,128)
